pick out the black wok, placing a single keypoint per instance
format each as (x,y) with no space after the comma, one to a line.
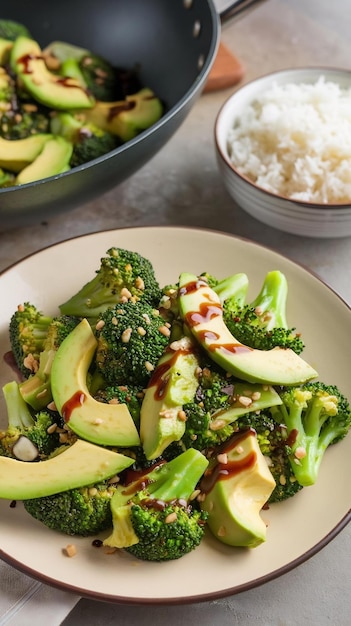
(174,43)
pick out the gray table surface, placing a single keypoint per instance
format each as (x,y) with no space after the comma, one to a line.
(181,186)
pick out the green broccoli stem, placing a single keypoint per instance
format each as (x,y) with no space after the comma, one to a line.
(177,479)
(234,286)
(307,437)
(272,299)
(18,413)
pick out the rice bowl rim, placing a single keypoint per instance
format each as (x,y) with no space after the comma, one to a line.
(332,74)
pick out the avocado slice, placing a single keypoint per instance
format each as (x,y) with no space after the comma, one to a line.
(79,465)
(201,309)
(172,384)
(126,118)
(52,160)
(52,90)
(236,486)
(17,154)
(104,424)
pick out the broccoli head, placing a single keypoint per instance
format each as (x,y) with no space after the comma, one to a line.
(131,337)
(155,517)
(130,395)
(28,330)
(9,29)
(315,415)
(82,511)
(36,389)
(28,437)
(123,275)
(262,323)
(271,438)
(89,141)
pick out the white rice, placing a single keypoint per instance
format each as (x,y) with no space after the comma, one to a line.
(295,140)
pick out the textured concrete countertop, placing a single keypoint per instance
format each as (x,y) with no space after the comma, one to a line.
(181,186)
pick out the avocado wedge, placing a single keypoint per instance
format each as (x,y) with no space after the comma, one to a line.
(79,465)
(52,90)
(104,424)
(201,309)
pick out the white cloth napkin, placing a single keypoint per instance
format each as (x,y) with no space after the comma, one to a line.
(25,601)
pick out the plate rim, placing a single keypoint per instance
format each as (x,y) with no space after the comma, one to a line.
(209,595)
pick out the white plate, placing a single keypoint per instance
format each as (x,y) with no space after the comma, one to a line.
(297,529)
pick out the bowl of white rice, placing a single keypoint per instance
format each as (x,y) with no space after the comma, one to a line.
(283,144)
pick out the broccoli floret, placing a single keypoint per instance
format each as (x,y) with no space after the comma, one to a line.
(131,337)
(89,141)
(130,395)
(91,144)
(19,123)
(122,275)
(9,29)
(7,179)
(28,330)
(36,389)
(28,436)
(83,511)
(155,517)
(262,323)
(96,73)
(219,402)
(271,438)
(316,415)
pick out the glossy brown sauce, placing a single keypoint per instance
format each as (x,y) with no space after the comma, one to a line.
(71,404)
(226,471)
(160,377)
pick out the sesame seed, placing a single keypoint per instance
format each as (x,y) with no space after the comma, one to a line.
(149,366)
(282,479)
(98,421)
(141,331)
(100,325)
(92,491)
(256,395)
(51,429)
(172,517)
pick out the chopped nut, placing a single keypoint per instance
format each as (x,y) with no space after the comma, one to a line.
(256,395)
(300,452)
(172,517)
(70,550)
(282,479)
(195,494)
(222,458)
(92,491)
(126,335)
(244,400)
(164,330)
(139,283)
(149,366)
(125,293)
(181,415)
(217,424)
(51,429)
(141,331)
(100,325)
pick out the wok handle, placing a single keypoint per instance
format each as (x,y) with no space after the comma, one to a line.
(228,10)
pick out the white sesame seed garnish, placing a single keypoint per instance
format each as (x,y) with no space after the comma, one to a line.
(244,401)
(100,325)
(172,517)
(164,330)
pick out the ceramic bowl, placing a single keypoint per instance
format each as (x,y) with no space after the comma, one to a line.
(299,217)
